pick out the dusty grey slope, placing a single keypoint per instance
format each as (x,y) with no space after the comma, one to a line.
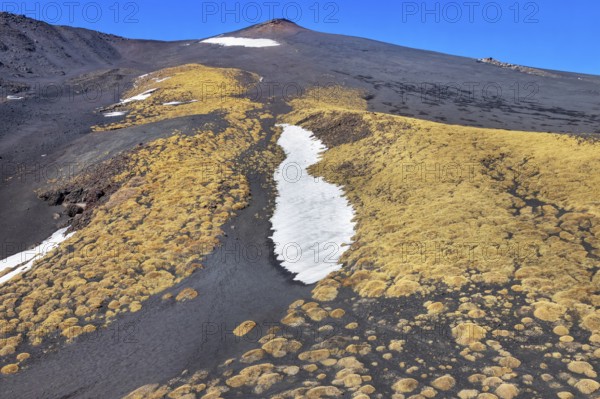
(32,49)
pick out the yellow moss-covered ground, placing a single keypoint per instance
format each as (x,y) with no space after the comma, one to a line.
(473,273)
(151,234)
(462,205)
(210,89)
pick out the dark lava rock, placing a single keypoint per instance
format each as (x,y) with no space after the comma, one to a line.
(73,210)
(54,197)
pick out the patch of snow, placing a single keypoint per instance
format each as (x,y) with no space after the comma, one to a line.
(158,80)
(12,98)
(173,103)
(139,97)
(313,221)
(24,261)
(114,114)
(139,78)
(241,41)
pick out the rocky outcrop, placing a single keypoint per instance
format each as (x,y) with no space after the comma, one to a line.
(514,67)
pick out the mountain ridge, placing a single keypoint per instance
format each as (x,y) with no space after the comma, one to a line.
(277,26)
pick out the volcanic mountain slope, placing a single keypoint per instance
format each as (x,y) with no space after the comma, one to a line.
(411,82)
(32,49)
(58,77)
(479,280)
(437,304)
(98,68)
(435,301)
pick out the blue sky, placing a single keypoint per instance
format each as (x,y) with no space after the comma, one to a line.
(554,34)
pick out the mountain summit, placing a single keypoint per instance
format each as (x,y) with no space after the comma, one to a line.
(279,27)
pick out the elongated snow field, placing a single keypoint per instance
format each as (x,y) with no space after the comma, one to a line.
(114,114)
(25,260)
(312,221)
(140,97)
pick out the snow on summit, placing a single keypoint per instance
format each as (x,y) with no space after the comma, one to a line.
(228,41)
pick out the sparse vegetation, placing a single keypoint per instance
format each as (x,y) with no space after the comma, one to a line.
(424,322)
(201,89)
(151,234)
(465,205)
